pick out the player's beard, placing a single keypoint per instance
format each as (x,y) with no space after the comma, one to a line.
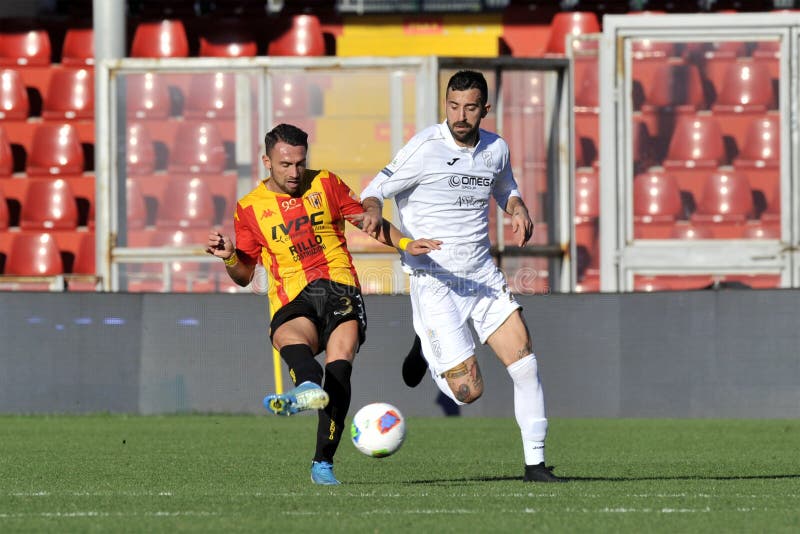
(468,137)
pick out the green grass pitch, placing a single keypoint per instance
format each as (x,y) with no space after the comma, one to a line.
(208,473)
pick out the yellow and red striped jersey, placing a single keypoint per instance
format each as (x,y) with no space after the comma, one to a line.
(300,239)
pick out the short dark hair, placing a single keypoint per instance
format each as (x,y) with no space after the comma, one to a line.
(465,80)
(289,134)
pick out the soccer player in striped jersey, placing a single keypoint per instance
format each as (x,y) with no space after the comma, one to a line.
(445,173)
(293,222)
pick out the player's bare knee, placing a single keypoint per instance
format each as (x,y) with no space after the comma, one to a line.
(465,380)
(467,393)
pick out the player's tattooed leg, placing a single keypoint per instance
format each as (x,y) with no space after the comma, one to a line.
(465,381)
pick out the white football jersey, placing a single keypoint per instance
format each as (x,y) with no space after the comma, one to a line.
(442,192)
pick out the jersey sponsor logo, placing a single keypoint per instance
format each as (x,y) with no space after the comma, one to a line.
(307,248)
(469,182)
(315,199)
(471,201)
(452,161)
(278,230)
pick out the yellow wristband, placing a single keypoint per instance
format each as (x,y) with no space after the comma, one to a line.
(403,243)
(232,260)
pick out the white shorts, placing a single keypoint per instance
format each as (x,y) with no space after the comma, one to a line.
(443,304)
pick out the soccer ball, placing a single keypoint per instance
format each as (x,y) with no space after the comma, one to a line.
(378,429)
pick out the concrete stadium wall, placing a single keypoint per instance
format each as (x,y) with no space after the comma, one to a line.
(697,354)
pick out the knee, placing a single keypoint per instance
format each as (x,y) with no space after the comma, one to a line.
(467,393)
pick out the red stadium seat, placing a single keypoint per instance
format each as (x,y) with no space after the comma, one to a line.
(773,212)
(49,205)
(726,203)
(34,254)
(688,230)
(136,209)
(85,255)
(571,23)
(759,158)
(768,53)
(186,275)
(745,95)
(211,96)
(141,156)
(677,85)
(762,230)
(6,155)
(4,218)
(70,95)
(14,103)
(147,96)
(55,150)
(587,102)
(695,150)
(198,149)
(656,205)
(78,48)
(228,39)
(166,38)
(647,56)
(25,48)
(303,38)
(667,282)
(587,210)
(187,202)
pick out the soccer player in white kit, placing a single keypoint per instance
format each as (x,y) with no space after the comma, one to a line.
(441,181)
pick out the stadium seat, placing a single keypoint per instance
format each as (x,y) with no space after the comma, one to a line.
(25,48)
(6,155)
(761,229)
(136,209)
(676,89)
(49,205)
(656,205)
(676,85)
(211,96)
(14,103)
(695,149)
(303,38)
(647,55)
(55,150)
(746,94)
(70,95)
(768,53)
(187,202)
(773,212)
(587,211)
(34,254)
(186,275)
(78,48)
(147,96)
(665,282)
(141,156)
(571,23)
(4,217)
(165,38)
(198,148)
(85,255)
(688,230)
(587,102)
(228,39)
(759,157)
(725,205)
(717,57)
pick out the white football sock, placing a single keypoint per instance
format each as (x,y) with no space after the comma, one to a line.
(529,407)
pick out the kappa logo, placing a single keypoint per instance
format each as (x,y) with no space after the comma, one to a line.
(452,162)
(266,214)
